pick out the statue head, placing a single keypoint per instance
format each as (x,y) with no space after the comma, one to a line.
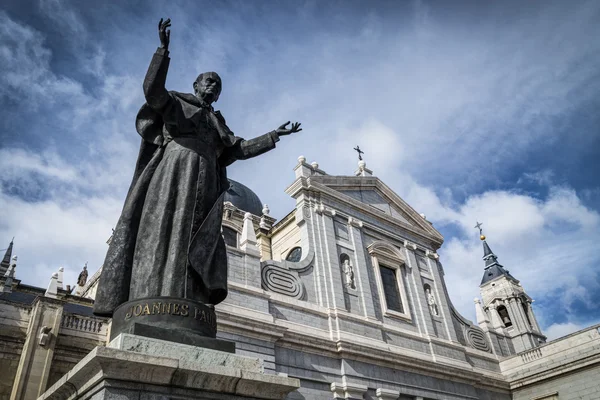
(207,87)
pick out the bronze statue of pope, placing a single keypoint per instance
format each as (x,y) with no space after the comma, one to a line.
(168,241)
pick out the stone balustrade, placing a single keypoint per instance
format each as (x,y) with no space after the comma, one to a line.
(84,324)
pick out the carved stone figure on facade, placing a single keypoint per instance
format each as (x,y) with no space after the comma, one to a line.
(349,273)
(83,275)
(433,308)
(168,240)
(44,338)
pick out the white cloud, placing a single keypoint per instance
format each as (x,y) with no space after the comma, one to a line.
(549,245)
(556,331)
(15,163)
(49,235)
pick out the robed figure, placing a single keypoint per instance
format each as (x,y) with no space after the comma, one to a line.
(168,240)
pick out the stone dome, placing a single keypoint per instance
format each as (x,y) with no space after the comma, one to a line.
(243,198)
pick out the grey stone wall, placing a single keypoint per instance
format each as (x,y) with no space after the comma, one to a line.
(580,385)
(14,320)
(253,347)
(10,352)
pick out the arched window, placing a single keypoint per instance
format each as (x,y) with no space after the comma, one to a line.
(294,255)
(504,317)
(230,236)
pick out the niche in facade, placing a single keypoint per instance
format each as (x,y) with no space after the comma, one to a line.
(433,307)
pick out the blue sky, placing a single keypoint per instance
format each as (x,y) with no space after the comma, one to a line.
(468,110)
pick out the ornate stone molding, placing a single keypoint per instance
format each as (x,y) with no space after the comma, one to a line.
(282,276)
(476,338)
(348,391)
(410,245)
(387,394)
(321,209)
(355,222)
(432,254)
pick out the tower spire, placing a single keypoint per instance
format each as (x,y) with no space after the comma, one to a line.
(493,269)
(6,260)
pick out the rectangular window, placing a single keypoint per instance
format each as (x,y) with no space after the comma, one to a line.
(230,236)
(390,288)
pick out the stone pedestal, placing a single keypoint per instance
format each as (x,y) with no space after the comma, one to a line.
(141,368)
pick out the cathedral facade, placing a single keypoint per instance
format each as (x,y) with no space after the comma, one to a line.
(345,293)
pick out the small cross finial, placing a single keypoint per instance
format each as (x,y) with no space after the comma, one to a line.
(478,226)
(360,152)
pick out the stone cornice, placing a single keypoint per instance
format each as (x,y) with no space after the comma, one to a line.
(289,334)
(380,355)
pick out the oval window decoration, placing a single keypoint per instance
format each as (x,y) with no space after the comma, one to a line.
(295,255)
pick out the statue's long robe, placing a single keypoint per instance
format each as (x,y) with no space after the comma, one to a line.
(168,239)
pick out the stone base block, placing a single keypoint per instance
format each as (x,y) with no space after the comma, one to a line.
(182,336)
(141,368)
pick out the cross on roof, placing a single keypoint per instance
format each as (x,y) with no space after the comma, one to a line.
(478,226)
(360,152)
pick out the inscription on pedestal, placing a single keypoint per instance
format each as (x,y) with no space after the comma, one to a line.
(166,312)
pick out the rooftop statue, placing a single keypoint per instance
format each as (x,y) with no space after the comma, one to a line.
(168,240)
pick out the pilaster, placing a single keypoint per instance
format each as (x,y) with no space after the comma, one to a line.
(516,313)
(331,263)
(423,317)
(305,217)
(36,358)
(264,246)
(360,260)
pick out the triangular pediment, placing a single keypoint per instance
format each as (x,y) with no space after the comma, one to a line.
(376,200)
(374,194)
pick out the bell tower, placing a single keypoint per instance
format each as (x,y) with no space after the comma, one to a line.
(506,304)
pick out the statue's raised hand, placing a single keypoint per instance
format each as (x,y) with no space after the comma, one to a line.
(163,33)
(284,130)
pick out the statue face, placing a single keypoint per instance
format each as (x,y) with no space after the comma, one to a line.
(208,87)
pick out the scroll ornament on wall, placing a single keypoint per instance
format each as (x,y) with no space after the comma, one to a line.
(283,276)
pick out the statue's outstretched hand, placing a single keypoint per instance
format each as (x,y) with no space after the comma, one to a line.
(284,130)
(163,33)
